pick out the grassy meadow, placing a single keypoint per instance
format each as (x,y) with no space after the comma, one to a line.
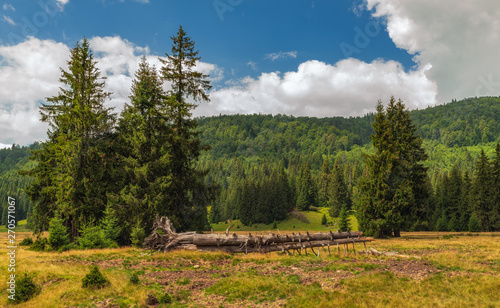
(425,269)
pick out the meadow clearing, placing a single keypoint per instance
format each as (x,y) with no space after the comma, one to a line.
(420,269)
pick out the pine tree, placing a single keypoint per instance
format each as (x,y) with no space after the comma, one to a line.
(494,215)
(338,193)
(324,184)
(188,194)
(344,219)
(144,154)
(482,191)
(395,183)
(72,175)
(307,193)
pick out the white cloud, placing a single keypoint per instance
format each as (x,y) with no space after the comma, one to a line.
(7,7)
(8,20)
(3,146)
(460,39)
(30,72)
(351,87)
(252,64)
(281,55)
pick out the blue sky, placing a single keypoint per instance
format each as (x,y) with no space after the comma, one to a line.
(314,58)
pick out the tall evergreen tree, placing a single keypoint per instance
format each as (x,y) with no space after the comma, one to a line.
(495,189)
(188,194)
(324,184)
(396,175)
(306,190)
(72,175)
(144,133)
(338,193)
(482,191)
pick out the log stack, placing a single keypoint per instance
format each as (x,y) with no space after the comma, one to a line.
(164,238)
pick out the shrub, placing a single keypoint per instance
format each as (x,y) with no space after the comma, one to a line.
(58,234)
(344,219)
(40,244)
(324,221)
(275,225)
(91,237)
(137,235)
(110,229)
(26,242)
(474,223)
(26,288)
(165,299)
(134,279)
(95,279)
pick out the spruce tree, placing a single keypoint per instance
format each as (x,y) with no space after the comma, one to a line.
(324,184)
(72,174)
(306,190)
(144,154)
(495,190)
(396,178)
(188,194)
(482,191)
(338,192)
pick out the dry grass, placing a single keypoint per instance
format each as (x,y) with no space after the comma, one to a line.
(436,270)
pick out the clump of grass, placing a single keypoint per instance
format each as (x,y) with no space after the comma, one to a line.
(95,279)
(134,279)
(165,299)
(183,282)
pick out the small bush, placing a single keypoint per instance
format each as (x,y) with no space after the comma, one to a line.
(26,289)
(95,279)
(91,237)
(165,299)
(137,235)
(275,225)
(474,223)
(134,279)
(26,242)
(324,221)
(40,244)
(58,234)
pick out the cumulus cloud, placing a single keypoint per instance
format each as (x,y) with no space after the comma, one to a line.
(281,55)
(459,39)
(30,72)
(351,87)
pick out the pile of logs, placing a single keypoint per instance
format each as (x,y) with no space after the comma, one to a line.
(164,238)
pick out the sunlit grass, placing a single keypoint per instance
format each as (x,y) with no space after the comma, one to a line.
(465,272)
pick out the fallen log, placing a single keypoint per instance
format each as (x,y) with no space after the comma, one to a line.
(284,247)
(236,240)
(164,238)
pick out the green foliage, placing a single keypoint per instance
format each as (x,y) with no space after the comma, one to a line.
(40,244)
(474,223)
(137,235)
(28,241)
(95,279)
(110,228)
(91,236)
(344,224)
(324,221)
(26,289)
(165,299)
(134,279)
(395,184)
(58,234)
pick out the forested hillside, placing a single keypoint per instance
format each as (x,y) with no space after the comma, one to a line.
(249,153)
